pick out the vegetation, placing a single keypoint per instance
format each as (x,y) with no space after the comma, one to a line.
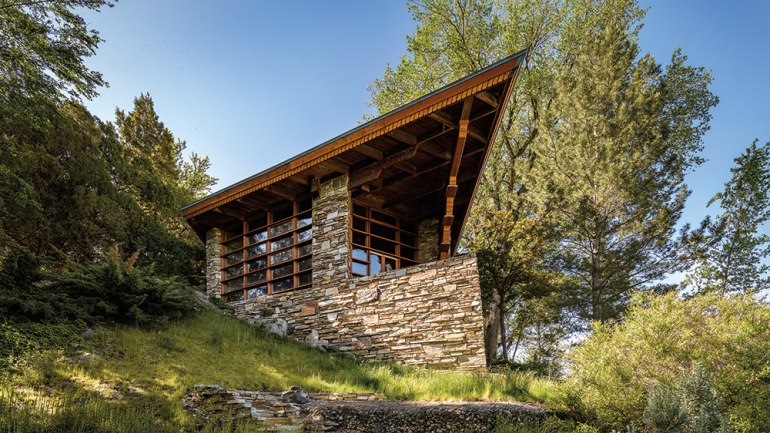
(128,368)
(614,370)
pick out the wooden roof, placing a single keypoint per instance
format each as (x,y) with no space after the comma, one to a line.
(421,160)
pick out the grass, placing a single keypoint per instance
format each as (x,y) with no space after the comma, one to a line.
(139,376)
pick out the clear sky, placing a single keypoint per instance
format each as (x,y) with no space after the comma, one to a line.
(251,83)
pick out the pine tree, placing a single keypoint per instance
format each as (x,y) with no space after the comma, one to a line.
(733,261)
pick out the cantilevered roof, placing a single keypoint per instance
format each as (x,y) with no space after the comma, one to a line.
(413,160)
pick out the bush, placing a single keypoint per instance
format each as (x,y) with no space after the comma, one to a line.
(661,337)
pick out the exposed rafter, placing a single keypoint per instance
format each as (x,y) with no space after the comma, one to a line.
(451,189)
(373,171)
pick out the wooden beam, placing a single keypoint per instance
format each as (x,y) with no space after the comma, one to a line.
(488,97)
(335,165)
(457,156)
(476,133)
(280,192)
(406,166)
(403,136)
(414,195)
(373,171)
(444,118)
(369,151)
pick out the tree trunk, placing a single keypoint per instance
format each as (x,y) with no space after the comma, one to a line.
(502,333)
(493,326)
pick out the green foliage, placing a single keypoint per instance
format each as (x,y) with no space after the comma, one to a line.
(50,307)
(614,369)
(733,261)
(693,405)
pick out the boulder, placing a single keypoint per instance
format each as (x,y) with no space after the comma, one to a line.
(296,395)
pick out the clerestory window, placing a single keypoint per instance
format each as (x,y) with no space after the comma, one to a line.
(269,253)
(382,241)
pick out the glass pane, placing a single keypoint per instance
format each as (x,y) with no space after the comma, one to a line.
(282,271)
(390,264)
(304,265)
(281,243)
(258,291)
(234,284)
(359,210)
(258,222)
(234,258)
(232,232)
(359,268)
(304,205)
(383,231)
(305,235)
(256,237)
(256,277)
(256,250)
(302,222)
(359,254)
(408,239)
(280,228)
(233,297)
(285,284)
(304,250)
(375,264)
(408,253)
(283,213)
(408,226)
(384,246)
(359,224)
(234,271)
(387,219)
(256,264)
(359,239)
(234,245)
(280,257)
(305,279)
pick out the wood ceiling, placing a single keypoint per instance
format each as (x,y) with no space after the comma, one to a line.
(420,161)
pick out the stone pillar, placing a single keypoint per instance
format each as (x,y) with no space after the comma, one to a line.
(331,234)
(429,240)
(213,262)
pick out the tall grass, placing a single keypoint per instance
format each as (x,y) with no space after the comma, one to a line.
(135,378)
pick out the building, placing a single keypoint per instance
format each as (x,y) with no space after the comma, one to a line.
(353,242)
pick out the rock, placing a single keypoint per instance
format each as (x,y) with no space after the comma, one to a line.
(310,308)
(368,295)
(296,396)
(290,330)
(333,348)
(312,336)
(276,326)
(321,345)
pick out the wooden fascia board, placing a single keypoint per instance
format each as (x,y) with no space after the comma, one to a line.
(491,142)
(387,123)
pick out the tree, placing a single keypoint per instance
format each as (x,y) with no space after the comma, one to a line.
(612,168)
(42,49)
(733,261)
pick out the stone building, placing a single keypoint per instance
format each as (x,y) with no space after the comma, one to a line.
(352,243)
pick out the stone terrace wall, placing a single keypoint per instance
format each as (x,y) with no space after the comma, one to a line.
(429,314)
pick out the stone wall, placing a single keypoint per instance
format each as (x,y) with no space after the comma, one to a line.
(331,234)
(429,240)
(429,314)
(213,262)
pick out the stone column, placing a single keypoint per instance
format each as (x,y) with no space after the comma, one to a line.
(429,240)
(331,234)
(213,262)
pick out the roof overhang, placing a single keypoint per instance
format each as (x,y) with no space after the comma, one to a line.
(430,151)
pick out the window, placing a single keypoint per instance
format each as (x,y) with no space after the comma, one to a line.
(381,241)
(269,253)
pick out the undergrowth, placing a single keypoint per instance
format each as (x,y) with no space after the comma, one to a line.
(138,376)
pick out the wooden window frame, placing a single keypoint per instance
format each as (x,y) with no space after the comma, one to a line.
(401,258)
(246,231)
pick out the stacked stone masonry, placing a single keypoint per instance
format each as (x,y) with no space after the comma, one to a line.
(428,314)
(274,409)
(213,262)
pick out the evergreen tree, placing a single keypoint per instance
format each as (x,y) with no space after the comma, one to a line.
(612,168)
(733,261)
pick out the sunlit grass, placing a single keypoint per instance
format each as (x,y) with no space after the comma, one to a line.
(147,372)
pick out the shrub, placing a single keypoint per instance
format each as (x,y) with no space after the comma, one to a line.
(664,336)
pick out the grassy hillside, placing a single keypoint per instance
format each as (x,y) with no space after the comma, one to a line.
(137,377)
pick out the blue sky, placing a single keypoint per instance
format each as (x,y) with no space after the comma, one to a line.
(251,83)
